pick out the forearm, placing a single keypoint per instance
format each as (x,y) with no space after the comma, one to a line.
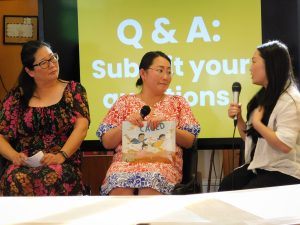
(6,150)
(241,124)
(112,138)
(77,136)
(270,136)
(184,138)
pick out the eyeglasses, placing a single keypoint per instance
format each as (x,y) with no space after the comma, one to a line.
(161,71)
(45,63)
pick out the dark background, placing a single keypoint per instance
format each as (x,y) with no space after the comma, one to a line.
(58,25)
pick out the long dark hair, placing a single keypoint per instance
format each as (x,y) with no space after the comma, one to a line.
(147,61)
(280,76)
(25,82)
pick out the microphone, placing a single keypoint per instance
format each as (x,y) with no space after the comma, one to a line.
(145,110)
(236,89)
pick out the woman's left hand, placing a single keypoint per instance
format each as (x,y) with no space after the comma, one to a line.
(154,120)
(50,158)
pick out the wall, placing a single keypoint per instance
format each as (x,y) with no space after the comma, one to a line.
(280,19)
(61,31)
(10,63)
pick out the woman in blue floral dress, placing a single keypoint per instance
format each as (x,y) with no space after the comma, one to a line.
(42,114)
(147,178)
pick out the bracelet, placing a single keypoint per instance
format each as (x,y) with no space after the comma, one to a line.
(64,154)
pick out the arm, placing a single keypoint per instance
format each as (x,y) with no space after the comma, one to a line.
(241,124)
(267,133)
(7,151)
(72,144)
(188,127)
(236,110)
(77,136)
(82,119)
(81,125)
(112,138)
(9,114)
(184,138)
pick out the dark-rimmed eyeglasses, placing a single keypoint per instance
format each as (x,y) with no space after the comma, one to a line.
(45,63)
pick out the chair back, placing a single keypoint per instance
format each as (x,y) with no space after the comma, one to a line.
(190,162)
(191,183)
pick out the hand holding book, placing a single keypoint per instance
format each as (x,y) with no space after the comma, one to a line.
(144,144)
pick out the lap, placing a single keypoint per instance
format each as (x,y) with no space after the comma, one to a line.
(237,179)
(137,180)
(60,179)
(266,178)
(242,178)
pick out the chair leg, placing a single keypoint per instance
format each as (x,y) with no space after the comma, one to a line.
(212,157)
(87,190)
(199,181)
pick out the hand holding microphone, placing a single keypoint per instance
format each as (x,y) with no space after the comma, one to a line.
(153,121)
(236,90)
(145,110)
(137,118)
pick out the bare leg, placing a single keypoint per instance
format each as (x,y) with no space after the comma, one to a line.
(121,191)
(148,191)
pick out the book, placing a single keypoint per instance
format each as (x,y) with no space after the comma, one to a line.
(142,144)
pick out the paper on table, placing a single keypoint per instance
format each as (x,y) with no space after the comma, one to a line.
(35,160)
(219,212)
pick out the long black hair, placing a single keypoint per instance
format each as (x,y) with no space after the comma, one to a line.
(147,61)
(25,82)
(279,73)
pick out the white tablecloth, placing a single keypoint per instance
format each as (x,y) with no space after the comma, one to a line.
(277,205)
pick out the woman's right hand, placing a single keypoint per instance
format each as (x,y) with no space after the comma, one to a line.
(19,159)
(234,110)
(136,119)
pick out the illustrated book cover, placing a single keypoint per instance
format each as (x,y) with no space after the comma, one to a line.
(142,144)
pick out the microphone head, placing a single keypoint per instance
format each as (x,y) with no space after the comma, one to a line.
(145,110)
(236,87)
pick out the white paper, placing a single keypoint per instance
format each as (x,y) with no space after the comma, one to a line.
(35,160)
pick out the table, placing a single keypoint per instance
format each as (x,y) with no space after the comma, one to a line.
(268,206)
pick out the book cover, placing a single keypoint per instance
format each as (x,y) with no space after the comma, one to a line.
(141,144)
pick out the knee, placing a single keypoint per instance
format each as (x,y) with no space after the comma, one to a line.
(148,191)
(122,191)
(226,184)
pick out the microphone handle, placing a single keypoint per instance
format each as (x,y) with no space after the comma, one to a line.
(235,121)
(236,95)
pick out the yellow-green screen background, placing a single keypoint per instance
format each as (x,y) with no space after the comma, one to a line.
(211,43)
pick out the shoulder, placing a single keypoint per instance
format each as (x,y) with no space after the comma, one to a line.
(177,100)
(12,99)
(13,95)
(73,86)
(288,101)
(175,97)
(126,99)
(127,102)
(292,94)
(294,91)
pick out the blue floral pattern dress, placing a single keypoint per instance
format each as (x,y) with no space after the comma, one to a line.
(159,176)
